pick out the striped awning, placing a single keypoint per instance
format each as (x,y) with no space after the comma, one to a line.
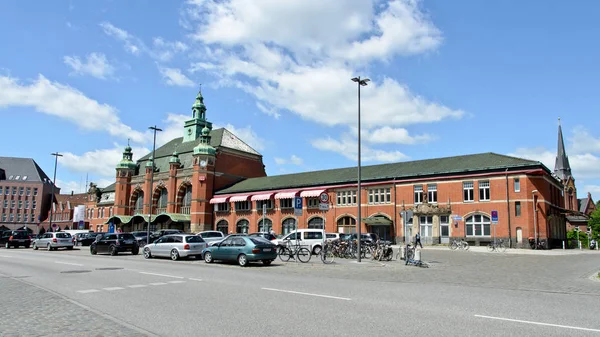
(218,200)
(311,193)
(265,196)
(239,198)
(286,195)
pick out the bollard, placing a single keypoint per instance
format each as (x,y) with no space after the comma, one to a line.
(402,252)
(417,255)
(563,244)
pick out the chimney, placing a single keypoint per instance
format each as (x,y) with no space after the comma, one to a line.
(71,193)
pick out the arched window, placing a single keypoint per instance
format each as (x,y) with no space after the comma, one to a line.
(139,202)
(223,227)
(288,226)
(242,226)
(346,224)
(187,197)
(315,223)
(161,204)
(477,225)
(266,227)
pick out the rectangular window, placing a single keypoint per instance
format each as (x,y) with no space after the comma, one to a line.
(468,191)
(12,217)
(432,193)
(286,203)
(18,217)
(484,190)
(35,191)
(346,198)
(418,191)
(0,190)
(14,191)
(312,202)
(6,190)
(259,204)
(32,217)
(380,196)
(12,204)
(21,191)
(20,204)
(223,207)
(26,204)
(517,184)
(5,203)
(517,208)
(242,205)
(110,212)
(33,204)
(28,193)
(3,217)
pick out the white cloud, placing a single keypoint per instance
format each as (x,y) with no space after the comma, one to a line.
(581,141)
(175,77)
(387,134)
(247,135)
(540,154)
(172,128)
(100,162)
(60,100)
(96,65)
(67,186)
(593,189)
(348,147)
(269,111)
(583,166)
(132,44)
(166,50)
(295,160)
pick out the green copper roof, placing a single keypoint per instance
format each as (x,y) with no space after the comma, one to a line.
(124,219)
(403,170)
(175,217)
(175,158)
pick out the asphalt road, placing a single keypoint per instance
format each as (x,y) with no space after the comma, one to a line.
(63,293)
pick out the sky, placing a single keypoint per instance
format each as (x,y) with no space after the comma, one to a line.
(447,78)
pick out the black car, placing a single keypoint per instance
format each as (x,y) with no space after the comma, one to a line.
(15,239)
(115,243)
(86,239)
(142,237)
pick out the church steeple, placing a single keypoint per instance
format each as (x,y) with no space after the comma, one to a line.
(562,168)
(194,126)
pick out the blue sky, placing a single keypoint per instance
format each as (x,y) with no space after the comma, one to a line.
(448,78)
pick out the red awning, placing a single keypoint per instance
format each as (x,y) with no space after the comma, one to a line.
(265,196)
(286,195)
(236,198)
(311,193)
(218,200)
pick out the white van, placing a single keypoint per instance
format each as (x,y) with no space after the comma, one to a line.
(310,238)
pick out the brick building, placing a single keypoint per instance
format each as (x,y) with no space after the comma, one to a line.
(210,179)
(63,212)
(25,192)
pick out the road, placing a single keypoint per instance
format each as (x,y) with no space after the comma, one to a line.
(64,293)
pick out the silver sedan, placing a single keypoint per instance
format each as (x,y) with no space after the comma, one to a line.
(176,246)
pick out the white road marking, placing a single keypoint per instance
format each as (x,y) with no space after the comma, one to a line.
(88,291)
(142,272)
(5,256)
(176,282)
(71,264)
(308,294)
(158,284)
(113,288)
(539,323)
(195,279)
(137,286)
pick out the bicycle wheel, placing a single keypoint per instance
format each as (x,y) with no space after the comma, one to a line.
(490,247)
(453,245)
(327,256)
(368,253)
(303,255)
(465,245)
(502,247)
(284,254)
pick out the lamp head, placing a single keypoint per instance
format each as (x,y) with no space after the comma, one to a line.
(355,79)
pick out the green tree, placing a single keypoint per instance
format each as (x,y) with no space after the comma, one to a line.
(583,237)
(594,223)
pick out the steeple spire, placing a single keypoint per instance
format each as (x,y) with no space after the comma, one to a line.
(199,109)
(193,127)
(562,168)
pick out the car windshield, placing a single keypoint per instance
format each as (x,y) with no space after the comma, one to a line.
(212,235)
(140,234)
(63,235)
(193,239)
(260,241)
(127,236)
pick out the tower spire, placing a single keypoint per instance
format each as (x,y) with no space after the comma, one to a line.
(562,168)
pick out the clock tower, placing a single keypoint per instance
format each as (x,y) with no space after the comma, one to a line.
(203,183)
(125,170)
(194,126)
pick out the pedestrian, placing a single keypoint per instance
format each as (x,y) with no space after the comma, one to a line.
(273,232)
(418,240)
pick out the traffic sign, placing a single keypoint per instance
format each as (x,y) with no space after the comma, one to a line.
(494,217)
(323,207)
(297,206)
(457,218)
(324,198)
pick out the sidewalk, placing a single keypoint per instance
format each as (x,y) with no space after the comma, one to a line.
(516,251)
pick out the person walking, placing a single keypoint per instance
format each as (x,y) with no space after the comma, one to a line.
(418,240)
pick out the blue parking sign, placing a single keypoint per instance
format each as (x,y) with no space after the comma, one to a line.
(298,203)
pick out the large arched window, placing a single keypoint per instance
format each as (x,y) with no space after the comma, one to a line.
(346,224)
(186,201)
(139,203)
(161,204)
(223,227)
(315,223)
(266,226)
(242,226)
(288,226)
(477,225)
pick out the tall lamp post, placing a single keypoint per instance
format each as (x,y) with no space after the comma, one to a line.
(360,82)
(155,129)
(535,236)
(56,155)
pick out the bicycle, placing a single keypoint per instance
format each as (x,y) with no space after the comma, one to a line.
(462,244)
(409,257)
(295,251)
(327,253)
(498,246)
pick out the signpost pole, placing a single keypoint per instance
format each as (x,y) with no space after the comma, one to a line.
(264,209)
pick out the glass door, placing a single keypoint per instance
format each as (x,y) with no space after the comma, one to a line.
(444,229)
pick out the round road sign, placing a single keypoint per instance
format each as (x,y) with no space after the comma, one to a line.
(324,198)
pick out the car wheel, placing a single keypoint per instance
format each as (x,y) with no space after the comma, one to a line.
(70,248)
(7,246)
(174,255)
(113,250)
(147,253)
(26,246)
(93,250)
(35,247)
(242,260)
(208,257)
(317,250)
(267,262)
(135,251)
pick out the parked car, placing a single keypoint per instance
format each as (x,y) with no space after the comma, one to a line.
(365,237)
(162,232)
(332,236)
(86,239)
(142,237)
(212,243)
(264,235)
(15,239)
(211,236)
(243,249)
(309,238)
(54,240)
(115,243)
(176,246)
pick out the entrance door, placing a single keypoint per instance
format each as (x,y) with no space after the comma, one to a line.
(444,229)
(426,224)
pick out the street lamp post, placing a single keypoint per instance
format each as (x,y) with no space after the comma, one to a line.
(535,236)
(155,129)
(56,155)
(360,82)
